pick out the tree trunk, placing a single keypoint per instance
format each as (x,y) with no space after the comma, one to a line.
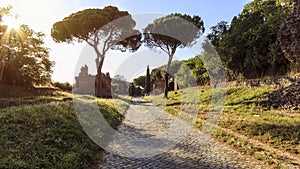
(167,75)
(98,78)
(2,65)
(166,85)
(98,85)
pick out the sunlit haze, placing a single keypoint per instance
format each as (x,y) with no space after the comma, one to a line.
(11,21)
(40,15)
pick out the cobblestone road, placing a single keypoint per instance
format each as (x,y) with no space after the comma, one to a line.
(151,138)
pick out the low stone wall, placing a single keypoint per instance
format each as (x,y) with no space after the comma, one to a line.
(274,82)
(286,95)
(287,98)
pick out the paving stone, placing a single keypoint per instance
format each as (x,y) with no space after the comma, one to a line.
(193,151)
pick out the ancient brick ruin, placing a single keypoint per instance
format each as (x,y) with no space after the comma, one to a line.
(289,35)
(158,86)
(85,83)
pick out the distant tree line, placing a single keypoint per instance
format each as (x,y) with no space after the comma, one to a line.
(155,75)
(120,85)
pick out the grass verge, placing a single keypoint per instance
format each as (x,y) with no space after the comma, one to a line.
(48,135)
(272,136)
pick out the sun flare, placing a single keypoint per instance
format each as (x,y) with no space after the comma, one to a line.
(11,22)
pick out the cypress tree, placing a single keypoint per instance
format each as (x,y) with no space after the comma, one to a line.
(147,84)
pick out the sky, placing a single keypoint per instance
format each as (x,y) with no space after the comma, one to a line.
(40,15)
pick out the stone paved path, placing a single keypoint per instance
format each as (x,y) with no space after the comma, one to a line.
(146,140)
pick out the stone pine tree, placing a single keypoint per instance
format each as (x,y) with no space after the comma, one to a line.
(102,29)
(147,84)
(170,33)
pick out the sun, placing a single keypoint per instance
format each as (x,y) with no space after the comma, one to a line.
(11,22)
(13,29)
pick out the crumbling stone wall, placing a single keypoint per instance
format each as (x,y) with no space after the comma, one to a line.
(273,82)
(158,87)
(105,86)
(286,95)
(287,98)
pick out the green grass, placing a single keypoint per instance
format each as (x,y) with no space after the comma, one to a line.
(48,134)
(17,92)
(17,96)
(244,116)
(32,100)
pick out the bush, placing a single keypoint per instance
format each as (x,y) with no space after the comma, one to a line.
(63,86)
